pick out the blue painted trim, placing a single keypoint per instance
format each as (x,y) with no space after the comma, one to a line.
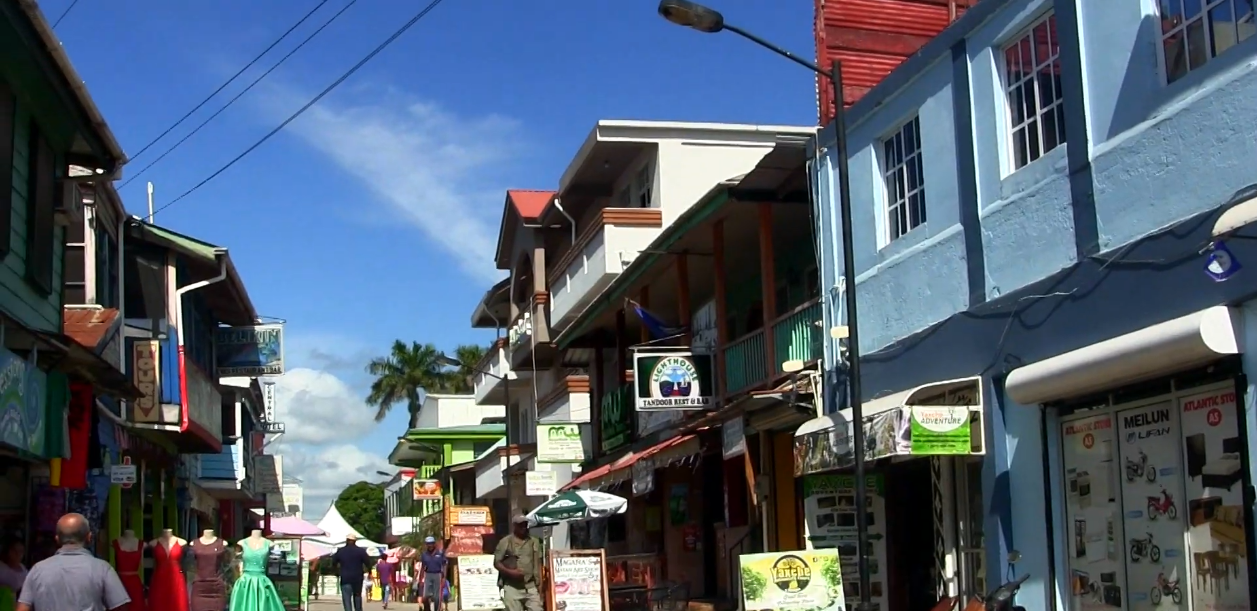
(1081,181)
(966,173)
(997,525)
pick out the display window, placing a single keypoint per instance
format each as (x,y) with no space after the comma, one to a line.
(1152,497)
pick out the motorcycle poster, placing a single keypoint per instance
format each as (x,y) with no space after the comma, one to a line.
(1093,521)
(1152,498)
(1216,535)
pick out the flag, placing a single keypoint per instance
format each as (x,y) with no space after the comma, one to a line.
(657,328)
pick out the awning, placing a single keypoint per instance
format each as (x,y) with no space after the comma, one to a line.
(943,418)
(657,456)
(57,352)
(764,410)
(1183,343)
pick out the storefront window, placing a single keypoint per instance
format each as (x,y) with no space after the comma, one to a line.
(1154,513)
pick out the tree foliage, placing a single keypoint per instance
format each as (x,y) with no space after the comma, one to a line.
(411,370)
(362,506)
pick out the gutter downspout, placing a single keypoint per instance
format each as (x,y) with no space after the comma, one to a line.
(558,205)
(124,406)
(221,255)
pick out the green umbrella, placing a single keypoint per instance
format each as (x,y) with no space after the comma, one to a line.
(577,505)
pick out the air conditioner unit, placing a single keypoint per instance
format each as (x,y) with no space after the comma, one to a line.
(69,205)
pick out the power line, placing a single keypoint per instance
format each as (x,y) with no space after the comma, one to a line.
(230,80)
(241,94)
(64,13)
(376,51)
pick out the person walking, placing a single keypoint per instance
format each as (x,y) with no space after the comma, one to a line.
(353,563)
(385,570)
(518,561)
(73,578)
(432,563)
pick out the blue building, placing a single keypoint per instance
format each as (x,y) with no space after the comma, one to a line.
(1035,199)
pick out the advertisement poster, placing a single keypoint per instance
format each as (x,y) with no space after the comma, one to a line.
(1216,536)
(1152,489)
(579,580)
(1092,517)
(829,513)
(789,581)
(941,430)
(560,443)
(478,583)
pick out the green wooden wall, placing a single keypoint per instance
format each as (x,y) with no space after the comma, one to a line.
(17,297)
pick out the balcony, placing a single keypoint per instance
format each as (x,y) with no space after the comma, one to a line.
(795,336)
(490,382)
(600,253)
(567,401)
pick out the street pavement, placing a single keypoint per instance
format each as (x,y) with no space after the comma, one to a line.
(327,603)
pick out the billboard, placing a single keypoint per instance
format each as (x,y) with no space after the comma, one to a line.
(252,351)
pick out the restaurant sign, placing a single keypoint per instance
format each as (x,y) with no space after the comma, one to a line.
(672,379)
(22,388)
(252,351)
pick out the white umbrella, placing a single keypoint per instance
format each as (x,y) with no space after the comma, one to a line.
(577,505)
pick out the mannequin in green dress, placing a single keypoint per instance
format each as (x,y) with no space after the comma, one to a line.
(253,590)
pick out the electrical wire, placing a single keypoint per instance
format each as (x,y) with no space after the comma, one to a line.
(315,100)
(239,95)
(230,80)
(64,13)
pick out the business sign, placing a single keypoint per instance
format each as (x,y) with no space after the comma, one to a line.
(426,490)
(125,474)
(256,350)
(521,331)
(675,379)
(266,471)
(540,483)
(792,581)
(560,443)
(268,402)
(145,374)
(22,391)
(733,438)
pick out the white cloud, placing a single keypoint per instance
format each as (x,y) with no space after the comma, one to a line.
(326,470)
(317,408)
(434,166)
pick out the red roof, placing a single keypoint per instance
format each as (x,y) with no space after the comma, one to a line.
(529,204)
(88,326)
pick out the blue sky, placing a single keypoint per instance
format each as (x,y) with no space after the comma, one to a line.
(374,216)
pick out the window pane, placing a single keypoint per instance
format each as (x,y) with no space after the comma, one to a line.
(1012,65)
(1197,51)
(1020,154)
(1032,139)
(1222,27)
(1171,15)
(1191,9)
(1175,49)
(1049,130)
(1244,19)
(1060,123)
(1029,101)
(1016,106)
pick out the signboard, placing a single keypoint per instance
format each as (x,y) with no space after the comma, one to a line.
(673,379)
(255,350)
(266,475)
(268,402)
(578,580)
(792,581)
(22,389)
(145,374)
(478,583)
(540,483)
(426,490)
(560,443)
(733,438)
(465,540)
(470,515)
(125,474)
(615,416)
(521,331)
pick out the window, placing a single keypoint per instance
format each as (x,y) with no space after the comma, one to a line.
(1032,80)
(41,198)
(643,185)
(106,268)
(8,110)
(1195,31)
(905,182)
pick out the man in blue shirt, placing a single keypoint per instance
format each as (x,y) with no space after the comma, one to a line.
(431,575)
(354,564)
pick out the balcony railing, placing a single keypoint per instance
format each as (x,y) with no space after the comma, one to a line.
(602,250)
(746,362)
(797,336)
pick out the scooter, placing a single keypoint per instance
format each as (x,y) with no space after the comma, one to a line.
(999,599)
(1136,469)
(1167,587)
(1144,548)
(1162,505)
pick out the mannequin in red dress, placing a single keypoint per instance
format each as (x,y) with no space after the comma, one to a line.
(129,555)
(169,590)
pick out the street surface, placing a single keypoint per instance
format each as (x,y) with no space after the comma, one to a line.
(326,603)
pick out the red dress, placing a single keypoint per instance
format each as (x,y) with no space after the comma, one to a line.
(169,590)
(129,572)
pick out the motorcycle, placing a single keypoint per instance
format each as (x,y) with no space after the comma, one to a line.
(1167,587)
(1136,469)
(1162,505)
(999,599)
(1144,548)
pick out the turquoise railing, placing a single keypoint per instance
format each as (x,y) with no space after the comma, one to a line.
(797,335)
(746,362)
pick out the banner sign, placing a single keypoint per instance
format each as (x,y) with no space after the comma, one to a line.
(252,351)
(792,581)
(426,490)
(578,580)
(560,443)
(672,379)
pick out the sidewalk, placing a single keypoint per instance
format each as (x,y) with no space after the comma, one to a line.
(326,603)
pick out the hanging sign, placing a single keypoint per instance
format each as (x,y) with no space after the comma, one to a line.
(540,483)
(125,474)
(674,379)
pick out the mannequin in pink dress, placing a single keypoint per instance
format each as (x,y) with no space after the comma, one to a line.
(129,556)
(169,589)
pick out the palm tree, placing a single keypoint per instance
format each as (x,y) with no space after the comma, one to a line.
(405,375)
(468,356)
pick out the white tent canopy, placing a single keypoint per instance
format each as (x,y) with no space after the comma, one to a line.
(338,529)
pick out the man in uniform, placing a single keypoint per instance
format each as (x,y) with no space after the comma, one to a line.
(518,560)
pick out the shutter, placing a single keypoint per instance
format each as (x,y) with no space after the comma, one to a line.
(42,201)
(8,114)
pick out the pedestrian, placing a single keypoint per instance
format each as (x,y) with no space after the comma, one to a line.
(385,570)
(431,575)
(518,561)
(73,578)
(353,564)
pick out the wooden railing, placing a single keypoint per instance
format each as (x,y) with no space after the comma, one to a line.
(746,362)
(797,335)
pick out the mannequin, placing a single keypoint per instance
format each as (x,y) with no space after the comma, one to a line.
(168,590)
(209,593)
(128,556)
(253,590)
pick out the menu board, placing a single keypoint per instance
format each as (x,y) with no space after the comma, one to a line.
(1216,535)
(1151,491)
(829,511)
(478,583)
(578,580)
(1092,518)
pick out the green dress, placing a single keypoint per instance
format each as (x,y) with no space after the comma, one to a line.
(253,590)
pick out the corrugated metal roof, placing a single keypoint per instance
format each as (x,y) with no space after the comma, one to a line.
(88,326)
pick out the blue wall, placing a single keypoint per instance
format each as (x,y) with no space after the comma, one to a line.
(1099,237)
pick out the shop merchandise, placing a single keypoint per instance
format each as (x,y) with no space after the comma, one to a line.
(129,556)
(168,590)
(209,593)
(253,590)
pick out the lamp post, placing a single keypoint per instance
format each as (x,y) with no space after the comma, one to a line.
(710,21)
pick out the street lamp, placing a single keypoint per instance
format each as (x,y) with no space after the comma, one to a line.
(698,17)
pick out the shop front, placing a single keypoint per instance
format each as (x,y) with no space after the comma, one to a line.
(924,452)
(1146,439)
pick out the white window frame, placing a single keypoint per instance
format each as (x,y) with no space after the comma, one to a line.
(643,185)
(1179,28)
(896,189)
(1040,109)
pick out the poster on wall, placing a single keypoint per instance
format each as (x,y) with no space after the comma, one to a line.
(792,581)
(478,583)
(1152,485)
(1092,519)
(1216,535)
(578,579)
(829,514)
